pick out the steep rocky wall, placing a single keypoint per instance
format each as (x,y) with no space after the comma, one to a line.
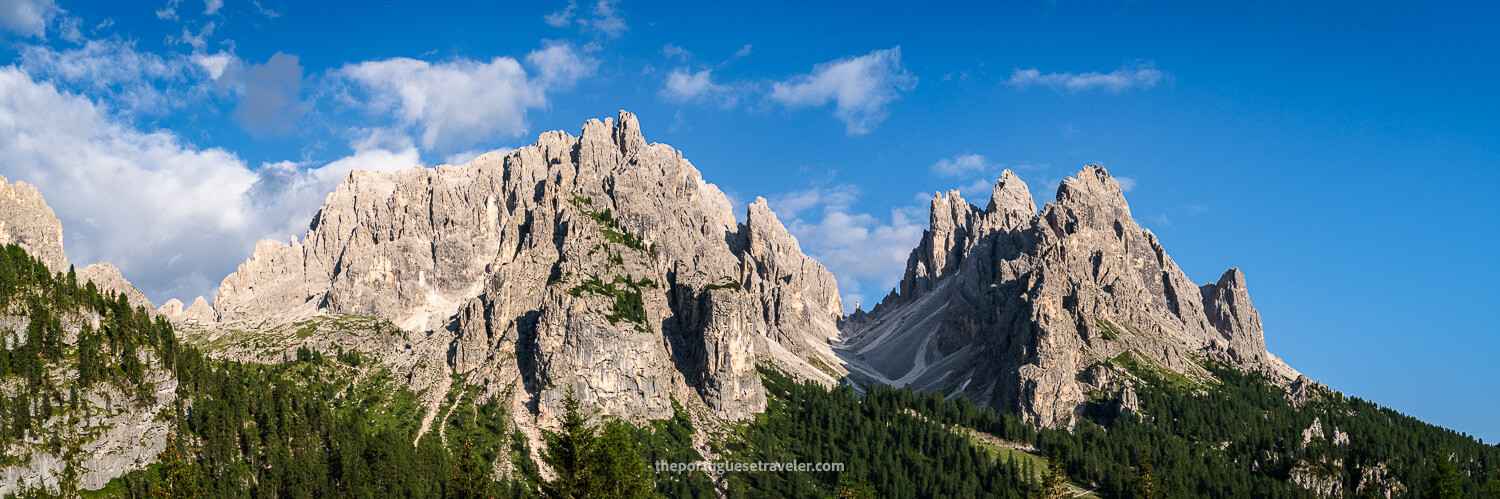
(1015,307)
(600,263)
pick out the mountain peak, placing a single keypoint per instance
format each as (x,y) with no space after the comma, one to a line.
(1010,306)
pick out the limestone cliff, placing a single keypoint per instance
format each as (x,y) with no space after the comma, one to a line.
(600,263)
(27,221)
(1025,310)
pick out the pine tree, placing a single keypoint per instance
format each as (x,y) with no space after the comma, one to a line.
(1491,489)
(854,485)
(617,470)
(1446,482)
(1145,481)
(471,474)
(568,452)
(1055,484)
(177,476)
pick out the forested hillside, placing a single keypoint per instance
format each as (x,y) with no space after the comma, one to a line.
(336,424)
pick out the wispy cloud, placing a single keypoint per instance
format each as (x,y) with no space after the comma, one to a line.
(672,51)
(683,85)
(860,88)
(960,165)
(1142,76)
(605,19)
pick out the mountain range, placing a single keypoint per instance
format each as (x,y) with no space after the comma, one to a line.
(605,268)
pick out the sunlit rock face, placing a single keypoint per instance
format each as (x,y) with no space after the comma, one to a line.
(1023,310)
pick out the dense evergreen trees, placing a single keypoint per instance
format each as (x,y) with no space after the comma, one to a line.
(306,428)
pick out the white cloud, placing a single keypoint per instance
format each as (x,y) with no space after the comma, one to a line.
(860,87)
(112,68)
(685,86)
(743,51)
(461,103)
(561,18)
(1141,76)
(199,42)
(168,12)
(606,18)
(558,65)
(265,11)
(959,166)
(214,64)
(455,103)
(27,18)
(867,255)
(1126,183)
(671,51)
(210,7)
(175,218)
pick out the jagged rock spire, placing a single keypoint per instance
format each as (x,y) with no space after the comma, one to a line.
(1011,306)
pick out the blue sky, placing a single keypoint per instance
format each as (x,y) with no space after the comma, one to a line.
(1343,154)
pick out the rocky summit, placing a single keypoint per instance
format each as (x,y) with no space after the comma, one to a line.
(1029,311)
(600,264)
(27,221)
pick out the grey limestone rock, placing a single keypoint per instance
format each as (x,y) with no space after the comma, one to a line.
(1017,308)
(107,278)
(27,221)
(601,263)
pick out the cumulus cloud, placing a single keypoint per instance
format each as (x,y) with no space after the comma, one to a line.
(272,103)
(1142,76)
(685,86)
(463,102)
(211,7)
(27,18)
(455,103)
(1127,184)
(860,87)
(867,254)
(960,165)
(175,218)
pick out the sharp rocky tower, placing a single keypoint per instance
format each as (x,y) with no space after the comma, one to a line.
(1024,310)
(599,263)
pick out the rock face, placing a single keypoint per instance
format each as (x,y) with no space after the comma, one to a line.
(107,278)
(599,263)
(27,221)
(1024,310)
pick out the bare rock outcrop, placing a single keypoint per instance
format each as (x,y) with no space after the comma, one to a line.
(600,263)
(27,221)
(1012,307)
(108,278)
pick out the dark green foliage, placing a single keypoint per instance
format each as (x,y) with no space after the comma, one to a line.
(606,465)
(728,283)
(1108,330)
(887,435)
(610,227)
(1446,483)
(671,441)
(626,293)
